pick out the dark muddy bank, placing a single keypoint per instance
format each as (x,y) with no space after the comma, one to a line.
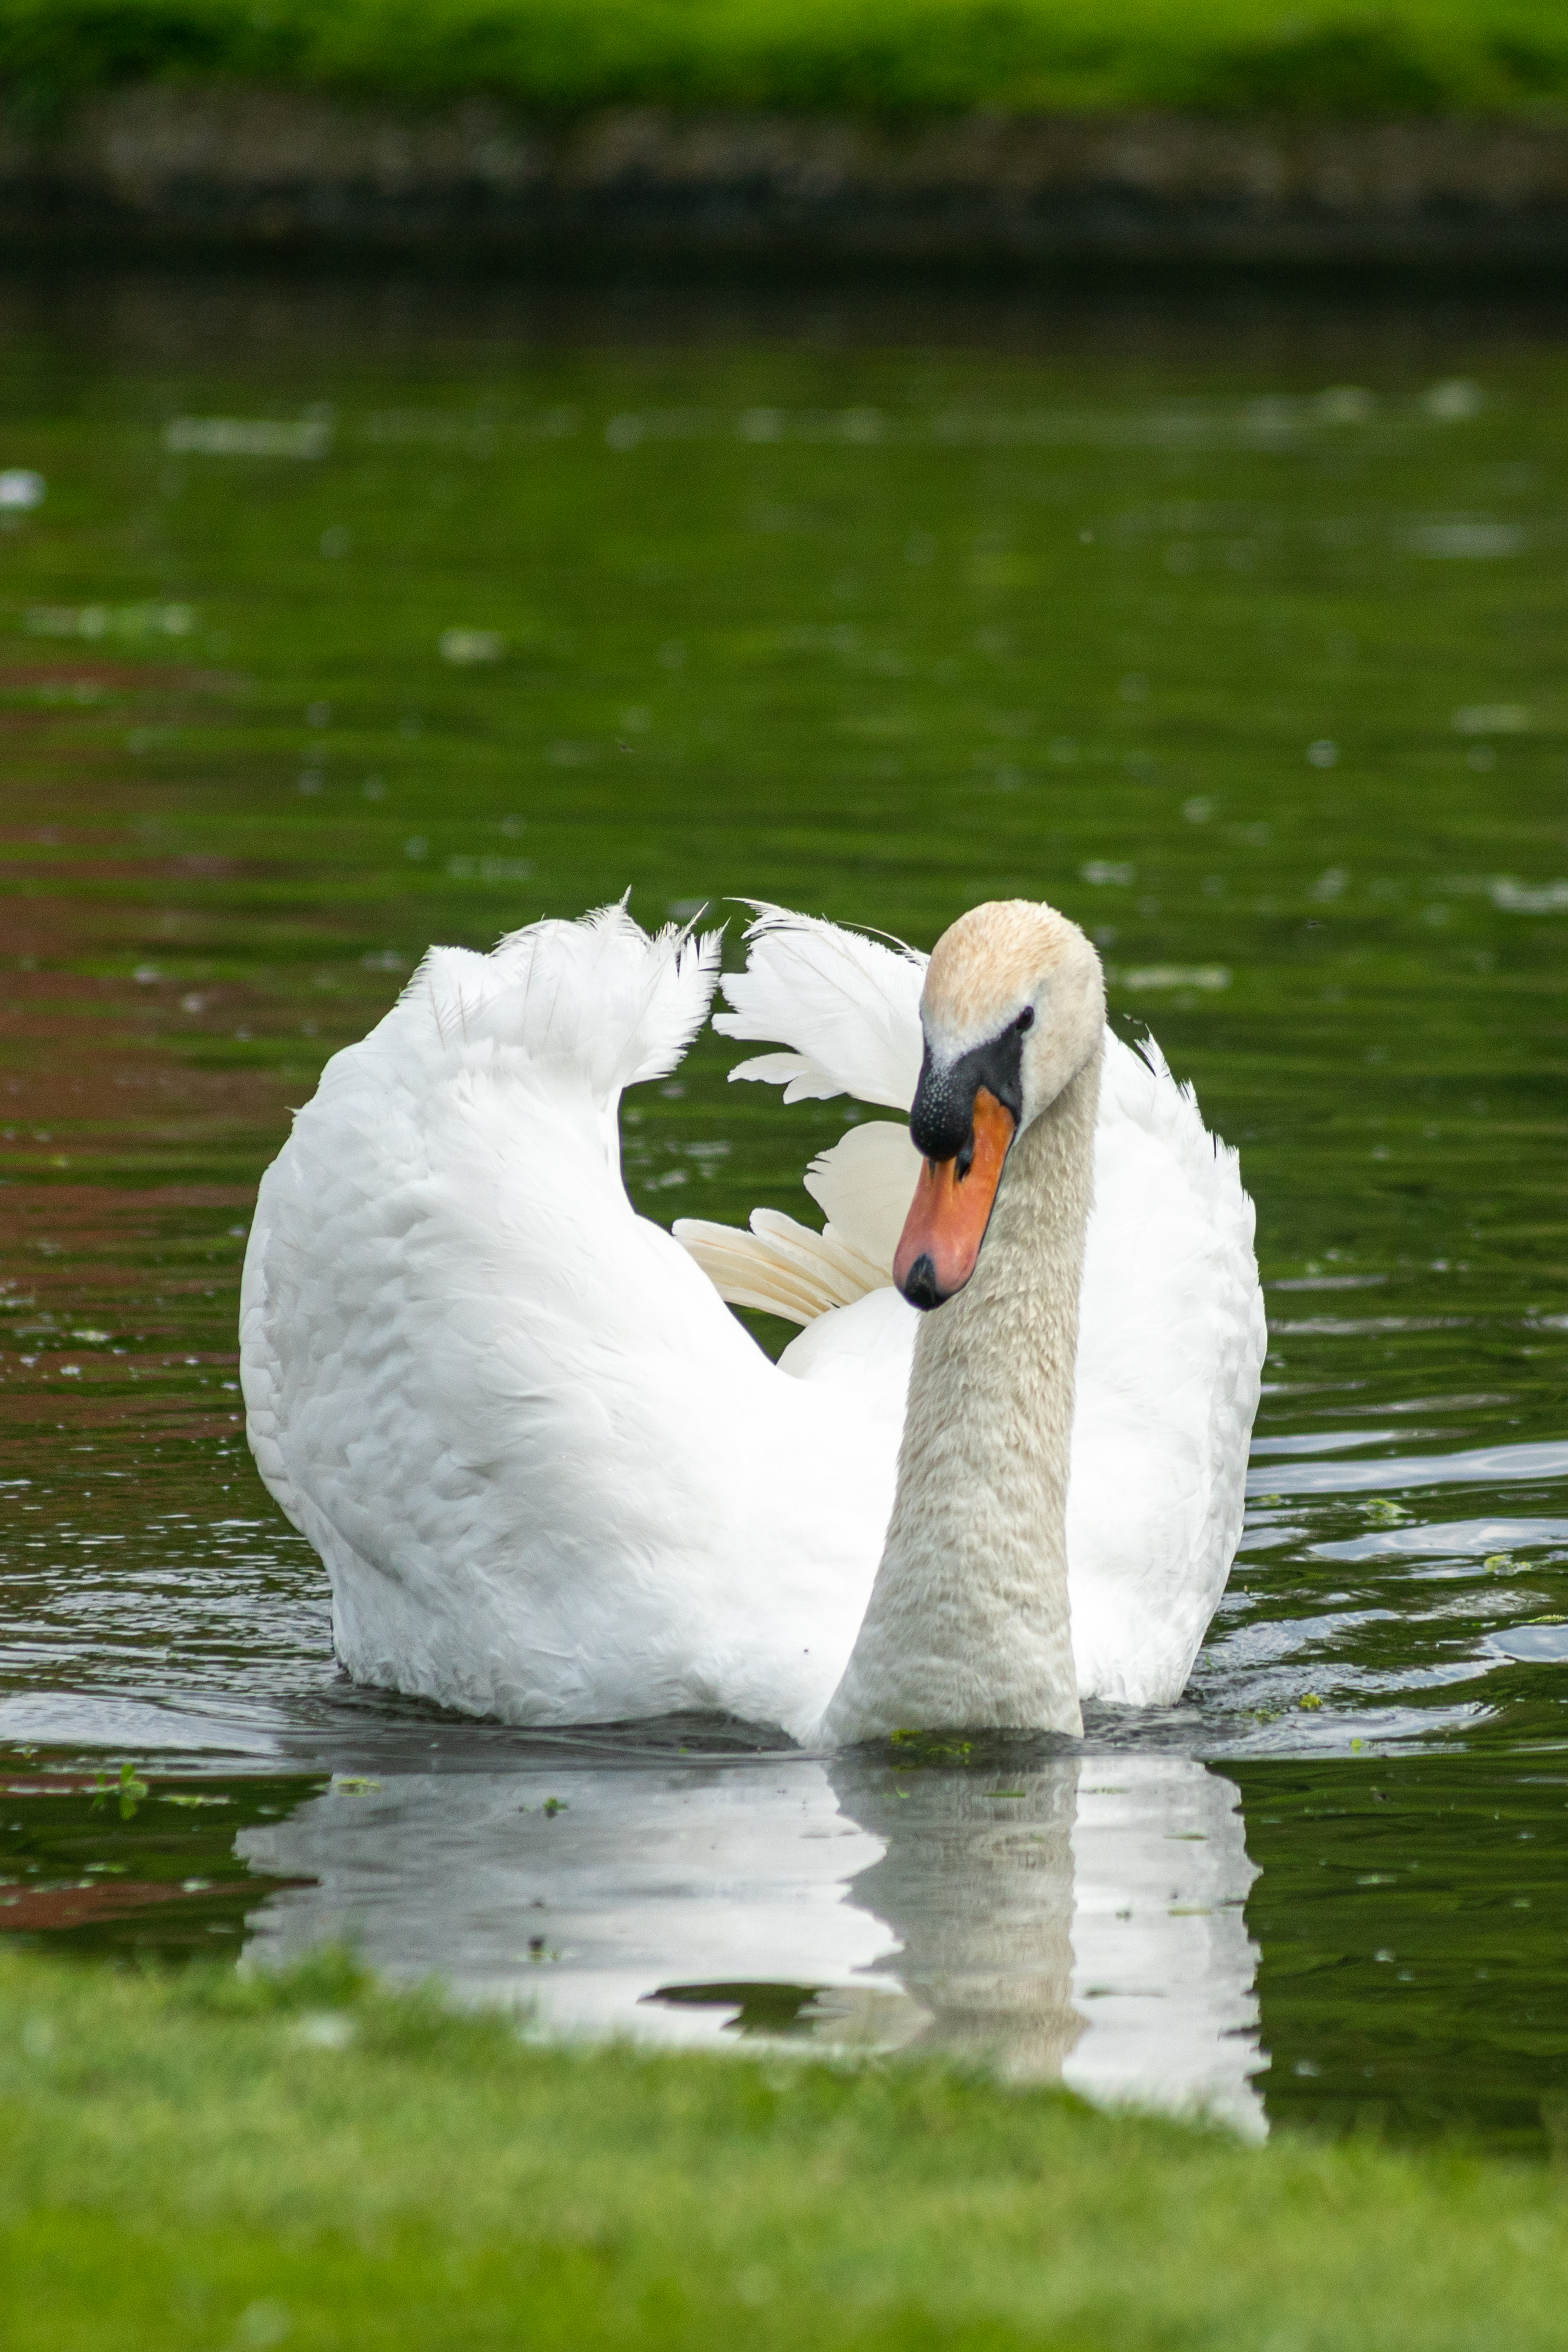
(170,168)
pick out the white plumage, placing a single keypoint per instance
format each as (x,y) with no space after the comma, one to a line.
(554,1479)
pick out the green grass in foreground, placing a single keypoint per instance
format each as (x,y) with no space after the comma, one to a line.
(1324,57)
(203,2162)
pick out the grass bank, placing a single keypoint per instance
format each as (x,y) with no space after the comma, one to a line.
(916,58)
(198,2162)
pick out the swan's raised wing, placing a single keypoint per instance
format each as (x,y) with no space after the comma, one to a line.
(551,1026)
(847,1006)
(552,1479)
(1170,1353)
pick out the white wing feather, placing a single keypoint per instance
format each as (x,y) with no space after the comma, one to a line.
(1170,1354)
(598,998)
(780,1267)
(847,1006)
(863,1185)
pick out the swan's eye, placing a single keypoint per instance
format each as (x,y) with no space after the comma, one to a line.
(1025,1019)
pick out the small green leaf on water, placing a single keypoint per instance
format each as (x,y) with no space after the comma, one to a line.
(553,1805)
(129,1789)
(1500,1562)
(356,1784)
(1308,1699)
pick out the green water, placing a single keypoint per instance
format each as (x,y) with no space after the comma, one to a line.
(1234,628)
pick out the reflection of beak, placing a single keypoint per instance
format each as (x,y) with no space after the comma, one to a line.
(952,1207)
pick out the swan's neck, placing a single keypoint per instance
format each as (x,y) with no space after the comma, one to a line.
(967,1622)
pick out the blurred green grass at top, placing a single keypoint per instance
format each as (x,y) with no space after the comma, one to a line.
(890,57)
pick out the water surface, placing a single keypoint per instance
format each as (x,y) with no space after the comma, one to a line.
(355,617)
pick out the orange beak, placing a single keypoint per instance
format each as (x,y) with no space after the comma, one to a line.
(951,1209)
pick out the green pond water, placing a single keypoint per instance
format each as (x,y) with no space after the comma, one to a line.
(338,619)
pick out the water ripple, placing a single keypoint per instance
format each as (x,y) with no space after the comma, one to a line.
(1484,1465)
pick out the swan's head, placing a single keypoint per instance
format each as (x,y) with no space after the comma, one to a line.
(1013,1008)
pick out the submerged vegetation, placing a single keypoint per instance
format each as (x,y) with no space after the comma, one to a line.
(205,2160)
(1328,58)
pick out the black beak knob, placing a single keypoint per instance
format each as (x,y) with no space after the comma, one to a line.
(919,1285)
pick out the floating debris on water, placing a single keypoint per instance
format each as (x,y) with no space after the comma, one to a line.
(490,869)
(21,489)
(465,646)
(1492,719)
(247,437)
(1473,539)
(110,620)
(1142,978)
(1453,401)
(1526,898)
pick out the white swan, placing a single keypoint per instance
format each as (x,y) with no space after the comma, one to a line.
(553,1479)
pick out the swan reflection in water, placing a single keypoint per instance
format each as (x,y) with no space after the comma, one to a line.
(1077,1918)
